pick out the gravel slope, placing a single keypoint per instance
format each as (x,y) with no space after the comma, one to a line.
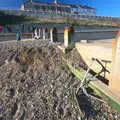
(36,85)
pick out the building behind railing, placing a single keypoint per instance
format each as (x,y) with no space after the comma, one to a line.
(56,15)
(57,7)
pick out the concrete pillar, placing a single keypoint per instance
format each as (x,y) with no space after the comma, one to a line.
(53,35)
(68,35)
(35,33)
(48,33)
(44,34)
(115,75)
(39,35)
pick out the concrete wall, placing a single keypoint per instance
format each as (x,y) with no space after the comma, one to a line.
(78,36)
(81,32)
(94,35)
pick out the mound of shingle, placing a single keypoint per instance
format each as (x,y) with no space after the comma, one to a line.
(35,84)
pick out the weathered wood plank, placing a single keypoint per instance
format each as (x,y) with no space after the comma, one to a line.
(109,96)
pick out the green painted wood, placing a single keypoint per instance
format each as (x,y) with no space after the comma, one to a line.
(110,97)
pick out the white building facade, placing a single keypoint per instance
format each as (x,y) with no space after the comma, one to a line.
(59,8)
(83,10)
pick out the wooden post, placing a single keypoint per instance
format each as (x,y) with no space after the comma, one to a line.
(115,75)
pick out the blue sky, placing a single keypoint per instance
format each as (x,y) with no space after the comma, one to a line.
(104,7)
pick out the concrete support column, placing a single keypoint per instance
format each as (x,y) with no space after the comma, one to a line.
(115,75)
(44,34)
(35,33)
(68,35)
(48,33)
(39,35)
(53,35)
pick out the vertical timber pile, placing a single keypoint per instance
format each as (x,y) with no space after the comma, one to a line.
(115,78)
(68,35)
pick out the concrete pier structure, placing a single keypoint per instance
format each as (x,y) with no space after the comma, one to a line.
(44,37)
(68,35)
(39,33)
(80,32)
(47,32)
(35,34)
(53,35)
(115,75)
